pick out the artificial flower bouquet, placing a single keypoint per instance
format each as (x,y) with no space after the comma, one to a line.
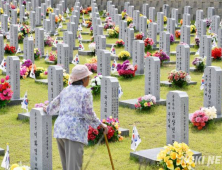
(197,42)
(25,30)
(113,132)
(192,29)
(139,36)
(19,167)
(65,78)
(172,39)
(177,156)
(41,105)
(9,49)
(181,22)
(48,11)
(120,43)
(84,11)
(52,57)
(208,22)
(179,78)
(113,33)
(165,19)
(91,30)
(48,41)
(177,34)
(87,24)
(145,102)
(109,25)
(92,47)
(149,21)
(1,11)
(124,55)
(216,53)
(126,69)
(198,62)
(108,19)
(40,71)
(129,20)
(89,9)
(162,56)
(148,42)
(57,19)
(20,37)
(203,117)
(37,53)
(124,15)
(24,72)
(96,84)
(92,64)
(12,6)
(26,68)
(5,92)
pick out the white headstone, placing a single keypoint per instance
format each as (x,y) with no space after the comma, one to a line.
(138,56)
(183,58)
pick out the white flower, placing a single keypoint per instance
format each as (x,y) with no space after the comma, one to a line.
(188,78)
(92,47)
(100,76)
(98,83)
(98,79)
(211,112)
(93,84)
(93,80)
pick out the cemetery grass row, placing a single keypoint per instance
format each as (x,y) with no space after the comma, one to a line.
(151,126)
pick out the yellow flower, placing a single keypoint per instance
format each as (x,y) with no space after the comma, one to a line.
(119,132)
(173,155)
(169,164)
(178,162)
(146,104)
(148,21)
(193,165)
(160,157)
(166,159)
(177,168)
(161,169)
(14,166)
(141,15)
(110,117)
(165,19)
(183,163)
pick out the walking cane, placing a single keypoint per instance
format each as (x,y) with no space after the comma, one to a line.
(110,156)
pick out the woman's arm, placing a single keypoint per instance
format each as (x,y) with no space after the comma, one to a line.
(53,106)
(88,112)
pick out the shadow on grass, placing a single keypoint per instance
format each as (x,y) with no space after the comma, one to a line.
(144,165)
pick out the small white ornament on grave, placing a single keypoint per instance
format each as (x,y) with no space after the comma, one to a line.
(75,61)
(120,91)
(80,36)
(3,65)
(32,74)
(80,27)
(113,51)
(25,102)
(81,47)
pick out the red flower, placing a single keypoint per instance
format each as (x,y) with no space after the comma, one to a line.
(216,53)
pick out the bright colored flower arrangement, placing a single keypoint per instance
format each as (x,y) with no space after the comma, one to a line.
(91,30)
(145,102)
(40,71)
(66,78)
(24,29)
(126,69)
(120,43)
(12,6)
(48,11)
(172,38)
(24,72)
(19,167)
(148,42)
(124,55)
(149,21)
(177,33)
(87,24)
(9,49)
(165,19)
(108,19)
(198,62)
(48,41)
(96,84)
(84,11)
(124,15)
(20,37)
(57,19)
(139,36)
(129,20)
(113,132)
(5,92)
(131,25)
(109,25)
(92,64)
(162,56)
(192,29)
(179,78)
(89,9)
(1,11)
(92,47)
(24,3)
(37,53)
(113,33)
(208,22)
(53,57)
(181,22)
(41,105)
(216,53)
(177,156)
(203,117)
(197,42)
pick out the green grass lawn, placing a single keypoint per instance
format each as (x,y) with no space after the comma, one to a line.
(151,125)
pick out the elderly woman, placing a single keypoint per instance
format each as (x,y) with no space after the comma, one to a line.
(75,107)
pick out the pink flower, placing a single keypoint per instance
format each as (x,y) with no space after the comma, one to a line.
(205,118)
(139,99)
(198,119)
(7,77)
(2,80)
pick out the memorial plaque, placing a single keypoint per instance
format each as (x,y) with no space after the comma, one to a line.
(160,23)
(185,34)
(183,58)
(146,10)
(138,56)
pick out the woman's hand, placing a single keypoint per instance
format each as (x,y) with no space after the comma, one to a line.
(104,126)
(45,109)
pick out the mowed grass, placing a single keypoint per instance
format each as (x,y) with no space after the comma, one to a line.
(151,125)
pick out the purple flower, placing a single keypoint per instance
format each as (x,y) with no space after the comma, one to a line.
(197,41)
(171,38)
(27,63)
